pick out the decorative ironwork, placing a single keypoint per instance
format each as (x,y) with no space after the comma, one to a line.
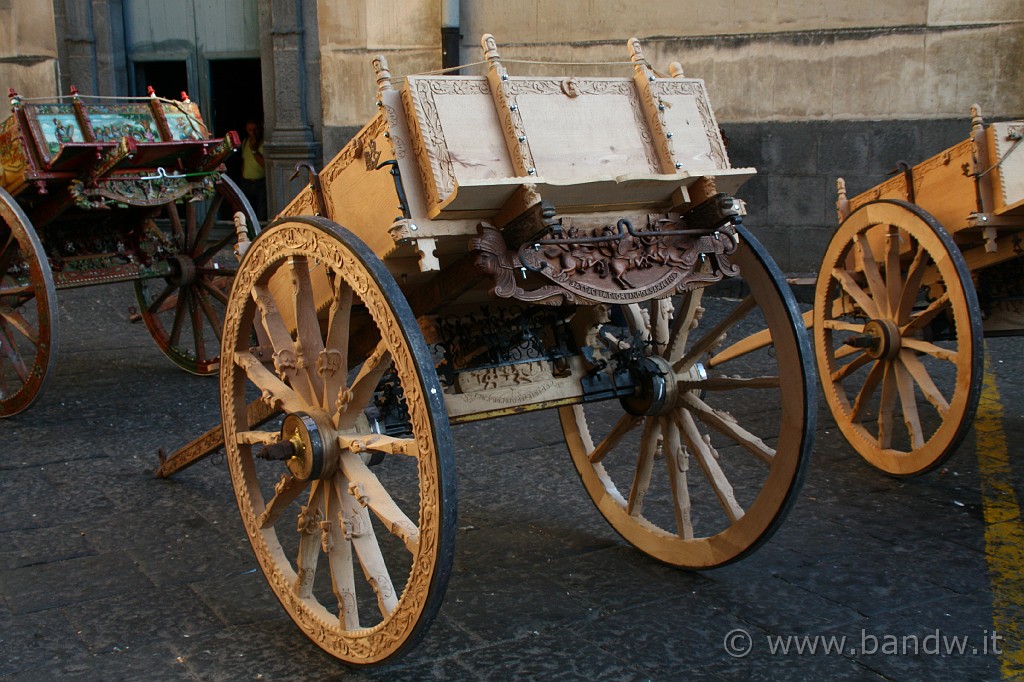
(493,338)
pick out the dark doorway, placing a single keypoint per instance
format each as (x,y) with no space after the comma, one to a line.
(169,79)
(236,90)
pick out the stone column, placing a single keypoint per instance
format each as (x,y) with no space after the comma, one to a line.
(290,55)
(90,46)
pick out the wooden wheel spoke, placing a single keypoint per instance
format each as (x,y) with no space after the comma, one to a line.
(181,310)
(375,442)
(208,221)
(677,460)
(908,401)
(215,248)
(852,366)
(190,227)
(361,392)
(286,356)
(686,319)
(893,275)
(367,489)
(661,318)
(843,326)
(749,344)
(333,366)
(915,275)
(208,312)
(157,304)
(308,343)
(867,389)
(726,424)
(708,460)
(275,392)
(727,383)
(21,292)
(860,297)
(876,285)
(649,440)
(310,528)
(886,405)
(176,227)
(930,349)
(626,423)
(714,335)
(924,381)
(339,555)
(286,491)
(21,325)
(927,315)
(11,352)
(196,313)
(368,551)
(214,290)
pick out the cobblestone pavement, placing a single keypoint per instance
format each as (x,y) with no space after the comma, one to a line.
(107,573)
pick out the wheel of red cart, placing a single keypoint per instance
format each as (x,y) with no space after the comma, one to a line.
(701,464)
(349,498)
(898,337)
(28,311)
(184,310)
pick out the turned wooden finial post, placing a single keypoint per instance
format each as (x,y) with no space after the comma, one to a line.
(842,203)
(380,67)
(977,122)
(653,107)
(675,69)
(508,110)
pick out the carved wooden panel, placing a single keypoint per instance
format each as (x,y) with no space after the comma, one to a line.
(1006,153)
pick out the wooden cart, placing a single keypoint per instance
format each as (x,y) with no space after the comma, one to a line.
(98,190)
(921,268)
(488,246)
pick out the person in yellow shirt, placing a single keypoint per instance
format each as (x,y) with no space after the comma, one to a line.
(254,174)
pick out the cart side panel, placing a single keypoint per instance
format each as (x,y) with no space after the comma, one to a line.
(1007,161)
(455,133)
(581,128)
(476,146)
(357,193)
(942,185)
(13,167)
(53,125)
(697,140)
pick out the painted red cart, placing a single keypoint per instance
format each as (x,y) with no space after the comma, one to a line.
(98,190)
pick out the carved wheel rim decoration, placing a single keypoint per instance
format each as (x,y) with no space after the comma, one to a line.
(364,574)
(898,337)
(184,311)
(695,485)
(28,311)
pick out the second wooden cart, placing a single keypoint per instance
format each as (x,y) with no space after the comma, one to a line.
(920,270)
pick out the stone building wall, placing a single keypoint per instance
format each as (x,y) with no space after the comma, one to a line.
(28,48)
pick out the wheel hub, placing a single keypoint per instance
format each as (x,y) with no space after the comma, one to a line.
(314,453)
(184,270)
(882,339)
(656,390)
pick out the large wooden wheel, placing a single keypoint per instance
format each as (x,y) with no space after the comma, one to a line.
(28,311)
(349,500)
(728,389)
(184,311)
(898,337)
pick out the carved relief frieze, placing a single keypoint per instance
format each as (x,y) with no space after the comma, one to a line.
(608,265)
